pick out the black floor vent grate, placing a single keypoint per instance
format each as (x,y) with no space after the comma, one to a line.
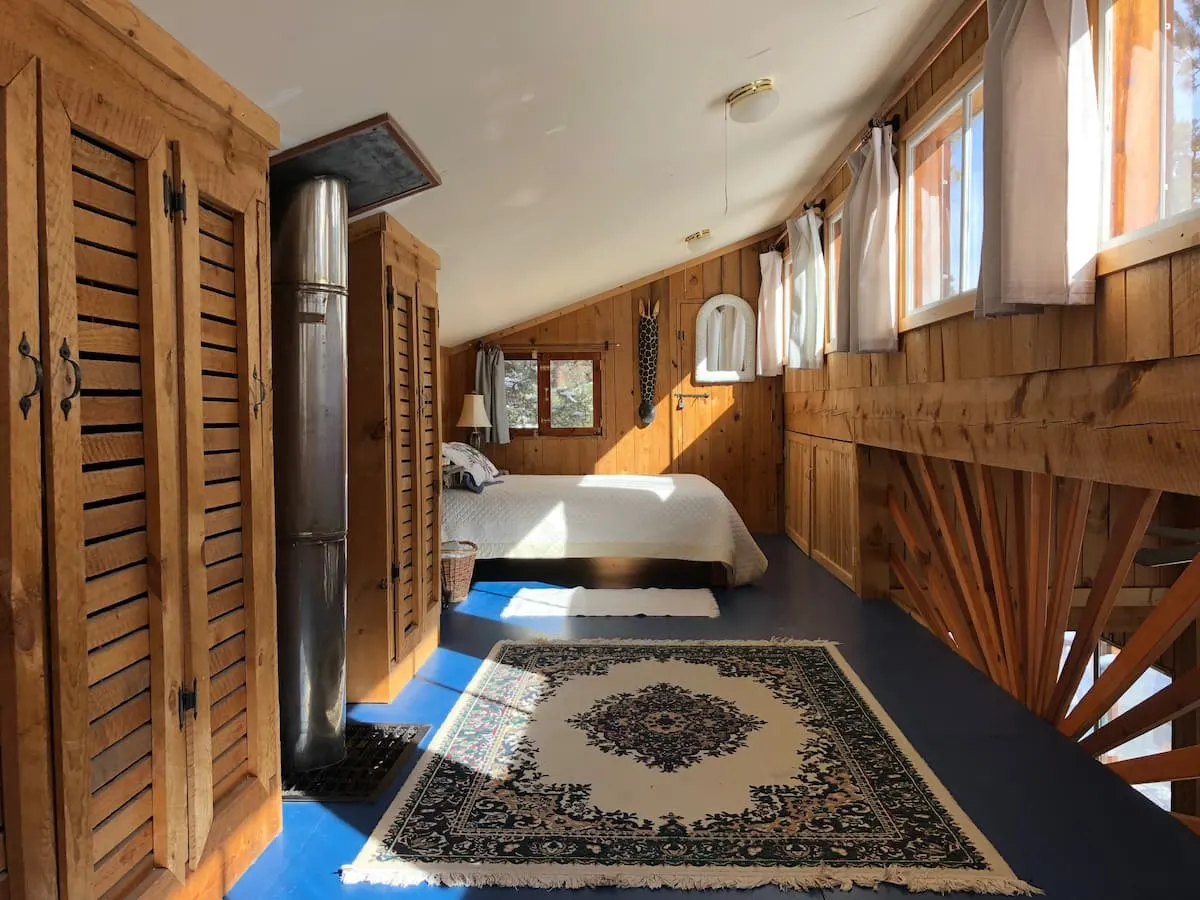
(374,754)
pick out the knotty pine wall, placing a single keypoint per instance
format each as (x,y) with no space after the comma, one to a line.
(962,388)
(735,439)
(1107,392)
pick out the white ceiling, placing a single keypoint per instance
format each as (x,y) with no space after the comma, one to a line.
(578,140)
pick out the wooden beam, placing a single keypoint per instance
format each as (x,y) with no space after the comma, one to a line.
(1037,591)
(1130,423)
(1076,503)
(920,599)
(1178,698)
(935,621)
(969,590)
(993,542)
(1132,519)
(1170,765)
(968,517)
(1019,572)
(1130,597)
(1168,620)
(943,597)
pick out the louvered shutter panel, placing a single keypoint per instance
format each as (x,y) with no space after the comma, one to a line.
(430,456)
(404,442)
(112,495)
(229,537)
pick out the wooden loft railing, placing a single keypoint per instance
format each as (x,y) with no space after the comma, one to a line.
(1002,600)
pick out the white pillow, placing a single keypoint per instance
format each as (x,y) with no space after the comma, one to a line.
(478,469)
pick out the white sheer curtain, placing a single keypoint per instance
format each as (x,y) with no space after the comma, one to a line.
(1041,158)
(866,307)
(806,332)
(772,321)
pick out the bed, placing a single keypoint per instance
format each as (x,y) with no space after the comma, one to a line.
(666,517)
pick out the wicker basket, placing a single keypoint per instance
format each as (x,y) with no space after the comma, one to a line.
(458,565)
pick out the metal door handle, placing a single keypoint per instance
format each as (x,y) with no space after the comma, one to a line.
(256,405)
(65,352)
(26,401)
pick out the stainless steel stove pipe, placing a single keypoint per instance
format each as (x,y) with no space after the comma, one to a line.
(309,287)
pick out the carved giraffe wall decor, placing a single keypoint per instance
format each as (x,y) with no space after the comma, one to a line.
(647,358)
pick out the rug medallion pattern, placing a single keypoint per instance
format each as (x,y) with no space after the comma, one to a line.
(692,764)
(666,726)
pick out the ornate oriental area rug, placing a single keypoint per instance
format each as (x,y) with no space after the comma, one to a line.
(684,764)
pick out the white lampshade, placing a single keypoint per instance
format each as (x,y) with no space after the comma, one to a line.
(473,413)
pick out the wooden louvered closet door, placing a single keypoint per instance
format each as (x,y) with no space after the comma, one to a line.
(112,495)
(403,386)
(27,864)
(229,530)
(429,453)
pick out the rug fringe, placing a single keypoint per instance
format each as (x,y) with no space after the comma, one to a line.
(915,880)
(775,640)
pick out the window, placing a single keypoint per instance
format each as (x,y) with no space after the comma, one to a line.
(1150,96)
(553,393)
(833,256)
(944,201)
(1156,740)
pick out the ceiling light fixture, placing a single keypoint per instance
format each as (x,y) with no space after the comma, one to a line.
(699,241)
(753,102)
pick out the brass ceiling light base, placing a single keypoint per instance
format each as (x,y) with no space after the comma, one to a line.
(699,241)
(754,87)
(753,102)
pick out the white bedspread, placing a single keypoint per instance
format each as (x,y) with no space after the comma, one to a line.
(684,517)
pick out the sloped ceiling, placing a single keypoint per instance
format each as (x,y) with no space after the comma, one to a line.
(578,140)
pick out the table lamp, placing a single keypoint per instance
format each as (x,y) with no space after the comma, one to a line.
(475,417)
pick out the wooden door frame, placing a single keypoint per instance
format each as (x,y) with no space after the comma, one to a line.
(29,836)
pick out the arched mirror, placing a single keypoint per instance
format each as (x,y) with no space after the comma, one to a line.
(725,331)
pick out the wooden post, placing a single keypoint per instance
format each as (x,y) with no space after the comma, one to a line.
(874,524)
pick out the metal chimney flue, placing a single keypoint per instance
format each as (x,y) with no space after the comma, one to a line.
(309,287)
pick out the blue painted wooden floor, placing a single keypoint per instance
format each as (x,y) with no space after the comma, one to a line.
(1063,822)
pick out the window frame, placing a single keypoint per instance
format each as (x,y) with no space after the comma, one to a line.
(544,358)
(1166,235)
(833,214)
(958,96)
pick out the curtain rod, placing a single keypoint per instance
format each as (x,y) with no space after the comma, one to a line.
(819,206)
(875,122)
(536,345)
(894,121)
(958,22)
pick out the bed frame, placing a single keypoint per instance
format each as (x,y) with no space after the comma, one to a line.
(605,572)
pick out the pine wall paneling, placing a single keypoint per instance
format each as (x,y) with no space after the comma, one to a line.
(1105,393)
(735,438)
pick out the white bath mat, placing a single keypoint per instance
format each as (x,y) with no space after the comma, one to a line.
(562,602)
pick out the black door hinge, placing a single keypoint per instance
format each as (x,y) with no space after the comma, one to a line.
(391,291)
(187,700)
(174,201)
(395,571)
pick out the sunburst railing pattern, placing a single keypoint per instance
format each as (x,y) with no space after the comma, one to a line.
(1002,599)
